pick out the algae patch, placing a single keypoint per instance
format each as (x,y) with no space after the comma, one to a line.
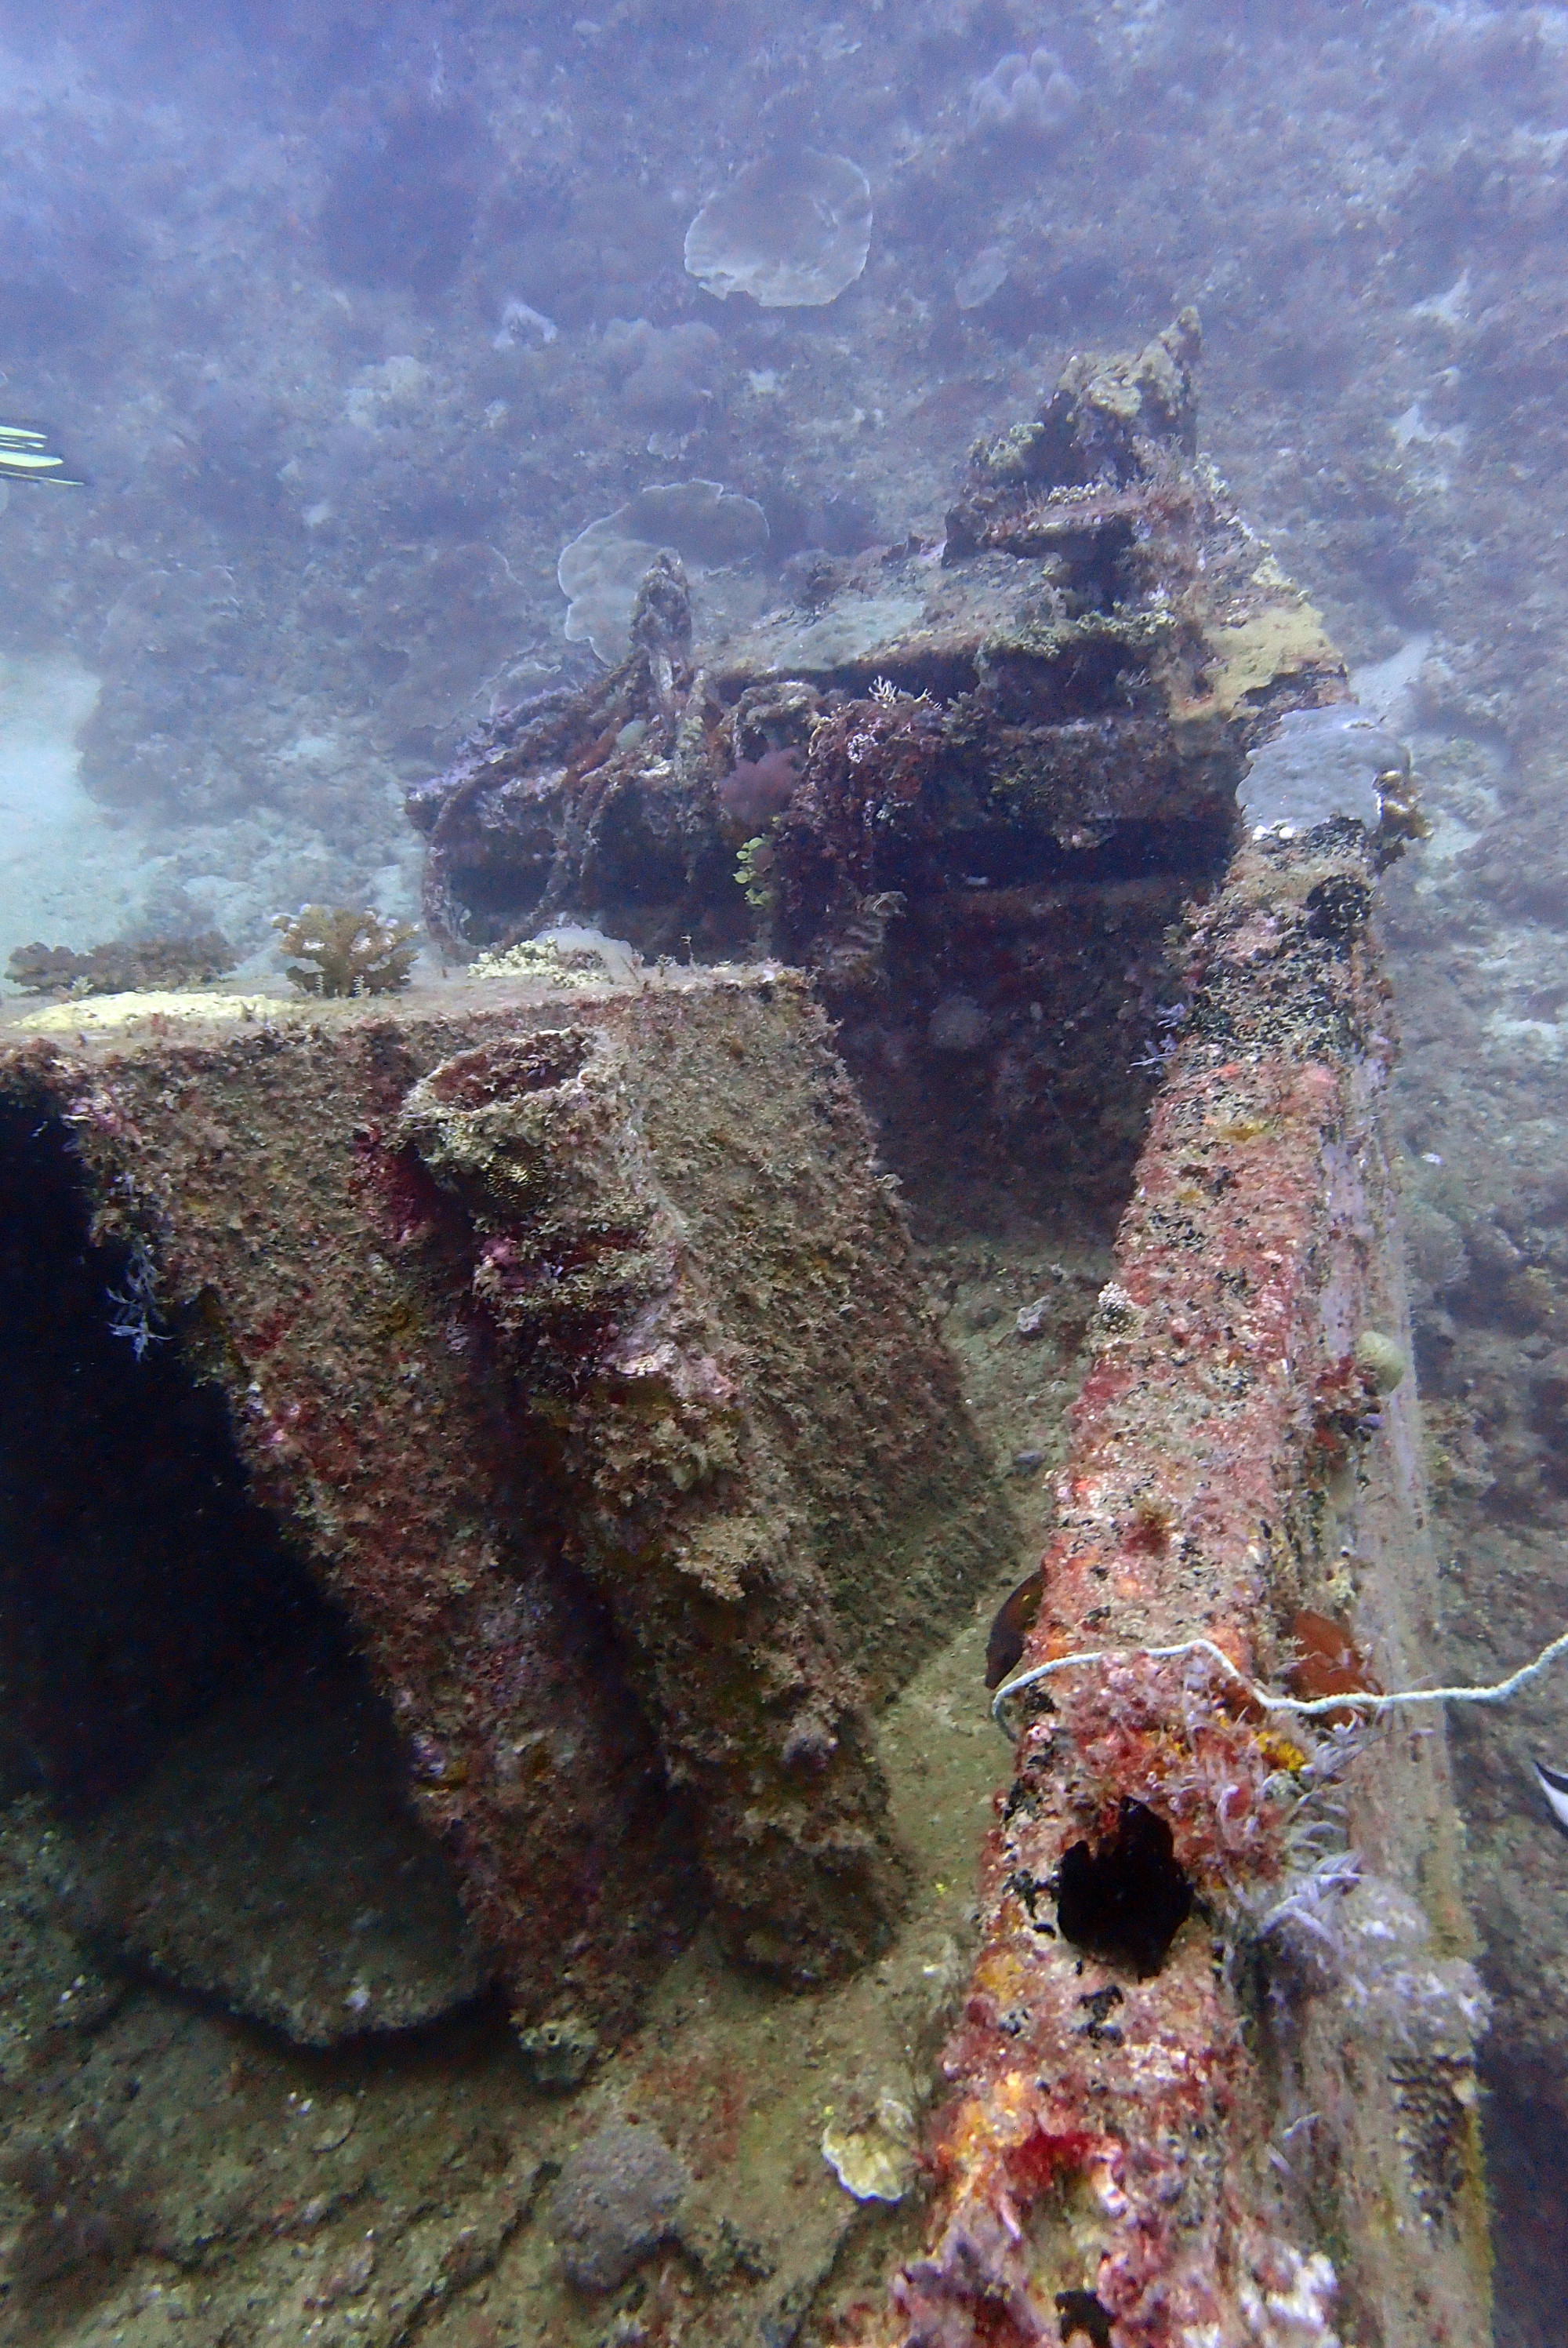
(109,1011)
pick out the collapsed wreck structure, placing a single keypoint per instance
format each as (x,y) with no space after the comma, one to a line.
(558,1332)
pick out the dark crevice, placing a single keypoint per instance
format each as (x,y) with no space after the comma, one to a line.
(1083,2318)
(139,1584)
(174,1680)
(1126,1900)
(1013,855)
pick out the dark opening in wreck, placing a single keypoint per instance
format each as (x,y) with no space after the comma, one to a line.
(227,1786)
(142,1583)
(1125,1899)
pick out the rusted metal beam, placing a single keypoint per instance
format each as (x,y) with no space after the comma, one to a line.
(1213,2079)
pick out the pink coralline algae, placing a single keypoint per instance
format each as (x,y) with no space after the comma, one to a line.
(756,789)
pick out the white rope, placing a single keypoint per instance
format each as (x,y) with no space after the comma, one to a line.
(1305,1707)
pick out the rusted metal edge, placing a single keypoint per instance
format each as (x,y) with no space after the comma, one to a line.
(1238,2105)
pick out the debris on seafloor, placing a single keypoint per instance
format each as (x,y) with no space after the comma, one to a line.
(981,792)
(876,2161)
(85,2220)
(1161,1839)
(615,2200)
(52,1993)
(557,2056)
(200,1874)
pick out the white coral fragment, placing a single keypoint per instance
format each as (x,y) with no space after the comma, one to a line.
(874,2163)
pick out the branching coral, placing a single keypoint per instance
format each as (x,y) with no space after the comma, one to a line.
(355,950)
(120,967)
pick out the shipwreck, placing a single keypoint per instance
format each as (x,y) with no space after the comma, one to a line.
(538,1361)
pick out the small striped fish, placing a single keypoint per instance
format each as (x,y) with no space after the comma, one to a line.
(26,456)
(1554,1786)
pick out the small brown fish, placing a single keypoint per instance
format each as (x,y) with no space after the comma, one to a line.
(1331,1663)
(1011,1628)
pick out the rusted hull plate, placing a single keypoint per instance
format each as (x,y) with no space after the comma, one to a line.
(1238,2103)
(576,1341)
